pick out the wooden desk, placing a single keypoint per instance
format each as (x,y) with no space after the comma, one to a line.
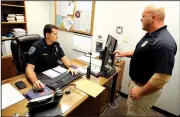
(68,102)
(77,103)
(113,86)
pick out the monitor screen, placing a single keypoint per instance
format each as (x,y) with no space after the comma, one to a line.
(111,43)
(109,49)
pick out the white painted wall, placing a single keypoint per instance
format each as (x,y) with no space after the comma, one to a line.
(128,14)
(37,15)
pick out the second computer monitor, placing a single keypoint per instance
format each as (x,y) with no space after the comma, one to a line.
(108,51)
(111,43)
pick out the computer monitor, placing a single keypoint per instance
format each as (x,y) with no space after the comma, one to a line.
(111,43)
(108,54)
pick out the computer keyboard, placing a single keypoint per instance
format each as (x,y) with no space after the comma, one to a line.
(62,80)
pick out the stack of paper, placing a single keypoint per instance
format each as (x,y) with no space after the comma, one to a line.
(10,96)
(93,61)
(60,69)
(51,73)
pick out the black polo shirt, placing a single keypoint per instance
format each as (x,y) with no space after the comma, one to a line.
(45,56)
(154,53)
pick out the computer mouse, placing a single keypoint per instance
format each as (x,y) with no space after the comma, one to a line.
(41,90)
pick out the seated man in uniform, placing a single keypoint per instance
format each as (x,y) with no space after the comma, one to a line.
(44,54)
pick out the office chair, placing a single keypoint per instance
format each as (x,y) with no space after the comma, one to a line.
(20,47)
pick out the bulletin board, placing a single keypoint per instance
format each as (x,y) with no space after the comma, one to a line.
(75,16)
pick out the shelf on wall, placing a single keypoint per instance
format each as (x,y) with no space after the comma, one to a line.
(13,22)
(5,39)
(11,5)
(6,56)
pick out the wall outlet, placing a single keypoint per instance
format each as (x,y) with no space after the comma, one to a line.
(99,39)
(119,29)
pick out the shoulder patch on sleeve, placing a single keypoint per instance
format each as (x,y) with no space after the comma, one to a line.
(32,50)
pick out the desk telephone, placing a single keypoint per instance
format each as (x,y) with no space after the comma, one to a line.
(46,105)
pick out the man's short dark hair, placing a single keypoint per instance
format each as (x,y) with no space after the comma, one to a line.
(48,28)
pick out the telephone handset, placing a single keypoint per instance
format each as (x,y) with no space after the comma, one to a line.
(44,103)
(39,101)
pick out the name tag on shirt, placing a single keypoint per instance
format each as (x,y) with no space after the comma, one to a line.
(45,54)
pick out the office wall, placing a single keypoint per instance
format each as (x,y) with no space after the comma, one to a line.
(108,15)
(128,14)
(37,13)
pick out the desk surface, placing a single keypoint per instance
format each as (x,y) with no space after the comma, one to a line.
(68,102)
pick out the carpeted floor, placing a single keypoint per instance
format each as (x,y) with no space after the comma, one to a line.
(119,108)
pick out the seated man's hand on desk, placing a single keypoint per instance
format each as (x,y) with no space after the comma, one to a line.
(38,85)
(31,75)
(73,71)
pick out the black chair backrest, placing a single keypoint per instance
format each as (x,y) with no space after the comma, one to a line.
(20,47)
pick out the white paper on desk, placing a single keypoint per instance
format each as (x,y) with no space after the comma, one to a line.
(93,61)
(94,54)
(51,73)
(84,5)
(10,95)
(84,58)
(60,69)
(68,22)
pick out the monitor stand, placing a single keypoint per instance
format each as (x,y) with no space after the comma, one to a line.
(108,71)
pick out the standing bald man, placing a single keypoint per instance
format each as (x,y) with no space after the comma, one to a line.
(152,62)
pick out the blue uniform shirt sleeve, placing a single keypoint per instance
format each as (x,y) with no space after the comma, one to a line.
(61,52)
(164,56)
(33,55)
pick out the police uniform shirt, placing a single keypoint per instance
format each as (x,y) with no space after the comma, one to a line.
(45,56)
(154,53)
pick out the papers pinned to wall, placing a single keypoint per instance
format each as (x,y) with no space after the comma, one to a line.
(83,23)
(59,20)
(84,6)
(75,16)
(62,8)
(82,43)
(68,22)
(71,8)
(65,8)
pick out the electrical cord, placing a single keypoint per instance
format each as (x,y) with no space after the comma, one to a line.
(109,105)
(115,103)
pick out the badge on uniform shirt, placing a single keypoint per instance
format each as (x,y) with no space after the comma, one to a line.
(32,50)
(56,49)
(144,43)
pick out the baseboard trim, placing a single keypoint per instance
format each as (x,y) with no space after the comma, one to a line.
(154,107)
(123,95)
(164,112)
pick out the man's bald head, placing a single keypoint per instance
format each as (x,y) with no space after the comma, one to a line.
(157,10)
(153,18)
